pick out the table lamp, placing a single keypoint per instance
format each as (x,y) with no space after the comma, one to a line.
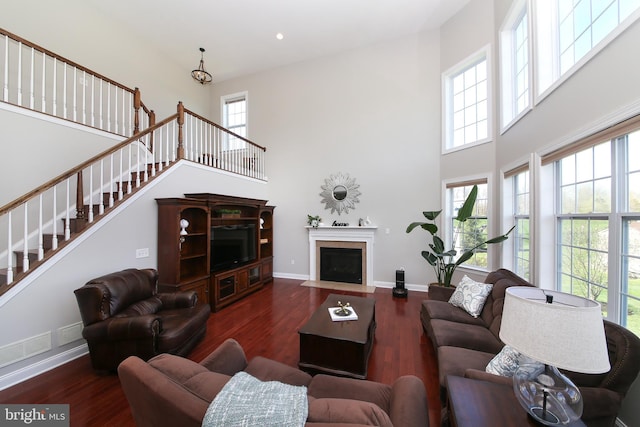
(558,330)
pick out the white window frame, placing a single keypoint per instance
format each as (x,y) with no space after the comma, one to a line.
(224,100)
(447,97)
(509,113)
(447,221)
(546,53)
(546,233)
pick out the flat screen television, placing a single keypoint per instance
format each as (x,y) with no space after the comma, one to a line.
(232,245)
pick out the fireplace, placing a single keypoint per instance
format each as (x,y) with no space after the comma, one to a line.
(341,265)
(345,245)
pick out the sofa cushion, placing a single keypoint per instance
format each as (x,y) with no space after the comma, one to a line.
(456,360)
(443,310)
(474,337)
(470,296)
(328,386)
(270,370)
(146,306)
(330,410)
(178,324)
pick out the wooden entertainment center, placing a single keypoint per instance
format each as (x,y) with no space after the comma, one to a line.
(187,258)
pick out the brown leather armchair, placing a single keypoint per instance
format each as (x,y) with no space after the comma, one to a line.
(123,315)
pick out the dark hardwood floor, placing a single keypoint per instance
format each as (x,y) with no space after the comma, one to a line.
(265,323)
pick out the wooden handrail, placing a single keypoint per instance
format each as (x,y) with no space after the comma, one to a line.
(224,129)
(63,59)
(51,183)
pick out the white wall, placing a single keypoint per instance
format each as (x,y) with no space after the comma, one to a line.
(82,34)
(372,113)
(109,246)
(35,151)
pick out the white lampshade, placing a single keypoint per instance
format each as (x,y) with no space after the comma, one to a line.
(567,333)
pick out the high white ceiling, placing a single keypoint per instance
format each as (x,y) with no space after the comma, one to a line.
(240,35)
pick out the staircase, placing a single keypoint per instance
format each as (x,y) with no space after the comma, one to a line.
(36,225)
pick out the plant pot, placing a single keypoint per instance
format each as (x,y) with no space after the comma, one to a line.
(440,292)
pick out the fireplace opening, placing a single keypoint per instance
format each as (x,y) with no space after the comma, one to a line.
(341,265)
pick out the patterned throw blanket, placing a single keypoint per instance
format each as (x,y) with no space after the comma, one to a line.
(246,401)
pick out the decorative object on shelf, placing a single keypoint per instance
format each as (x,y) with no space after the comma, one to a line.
(314,221)
(261,223)
(342,312)
(199,74)
(558,330)
(340,193)
(229,213)
(183,231)
(339,224)
(367,221)
(443,260)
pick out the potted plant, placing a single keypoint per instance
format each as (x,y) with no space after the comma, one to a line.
(444,261)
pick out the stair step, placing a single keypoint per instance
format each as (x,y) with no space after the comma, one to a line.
(47,240)
(32,254)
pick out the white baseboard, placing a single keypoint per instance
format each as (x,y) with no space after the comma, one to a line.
(42,366)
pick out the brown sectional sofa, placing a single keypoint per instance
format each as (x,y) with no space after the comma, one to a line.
(173,391)
(465,345)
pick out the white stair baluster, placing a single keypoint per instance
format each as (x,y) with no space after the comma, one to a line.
(44,83)
(20,74)
(67,219)
(5,85)
(25,237)
(40,243)
(101,189)
(32,97)
(91,194)
(111,182)
(9,251)
(54,221)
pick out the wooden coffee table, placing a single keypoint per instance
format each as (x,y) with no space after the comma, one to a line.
(339,348)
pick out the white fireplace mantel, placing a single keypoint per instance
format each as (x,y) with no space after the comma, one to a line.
(365,234)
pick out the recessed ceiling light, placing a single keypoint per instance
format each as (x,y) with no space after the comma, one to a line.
(279,36)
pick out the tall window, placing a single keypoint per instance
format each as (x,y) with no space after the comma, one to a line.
(466,93)
(569,32)
(468,234)
(598,225)
(522,232)
(514,60)
(234,118)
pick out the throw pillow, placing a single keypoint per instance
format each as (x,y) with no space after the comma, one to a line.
(504,363)
(470,295)
(507,362)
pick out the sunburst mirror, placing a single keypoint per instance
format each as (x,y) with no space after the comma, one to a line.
(340,193)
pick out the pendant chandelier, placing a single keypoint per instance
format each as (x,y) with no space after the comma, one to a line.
(199,74)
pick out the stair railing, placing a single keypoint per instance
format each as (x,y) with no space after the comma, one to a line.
(44,219)
(35,225)
(212,145)
(35,78)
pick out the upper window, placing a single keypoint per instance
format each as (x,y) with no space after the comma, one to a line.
(466,91)
(515,64)
(569,32)
(234,118)
(473,231)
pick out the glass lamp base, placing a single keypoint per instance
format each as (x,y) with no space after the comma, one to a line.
(547,395)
